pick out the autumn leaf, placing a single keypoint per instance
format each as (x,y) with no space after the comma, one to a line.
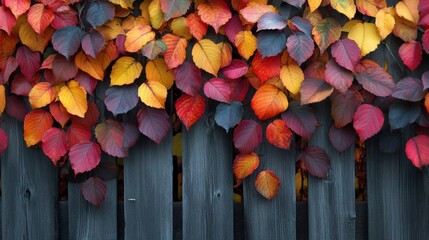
(84,156)
(8,20)
(411,54)
(366,36)
(279,134)
(73,97)
(417,150)
(207,56)
(245,164)
(218,89)
(41,95)
(367,121)
(125,71)
(326,32)
(153,123)
(176,50)
(153,94)
(245,42)
(54,144)
(36,123)
(2,98)
(174,8)
(215,13)
(190,109)
(247,136)
(292,77)
(39,17)
(137,37)
(18,7)
(255,10)
(197,27)
(157,70)
(346,7)
(385,22)
(370,7)
(267,184)
(269,101)
(89,65)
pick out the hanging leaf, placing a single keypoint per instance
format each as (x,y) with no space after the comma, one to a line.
(266,68)
(217,89)
(153,123)
(215,13)
(271,43)
(326,32)
(346,53)
(99,12)
(40,17)
(188,78)
(403,113)
(411,54)
(228,115)
(367,121)
(41,95)
(314,90)
(190,109)
(94,191)
(125,71)
(344,107)
(67,40)
(84,156)
(245,164)
(341,79)
(342,138)
(267,184)
(245,42)
(300,119)
(120,100)
(92,43)
(153,94)
(207,56)
(137,37)
(174,8)
(110,134)
(54,144)
(176,50)
(73,97)
(269,101)
(417,150)
(279,134)
(157,70)
(247,136)
(300,47)
(316,161)
(376,81)
(36,123)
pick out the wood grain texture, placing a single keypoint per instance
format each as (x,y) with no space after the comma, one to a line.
(29,189)
(275,219)
(86,222)
(331,201)
(148,197)
(207,180)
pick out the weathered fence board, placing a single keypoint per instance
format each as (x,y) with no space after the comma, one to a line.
(29,189)
(207,180)
(331,201)
(273,219)
(148,182)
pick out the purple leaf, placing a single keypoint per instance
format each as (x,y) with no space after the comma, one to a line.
(342,138)
(302,24)
(376,81)
(131,135)
(409,89)
(67,40)
(153,123)
(121,99)
(300,119)
(271,43)
(232,27)
(340,78)
(188,78)
(316,161)
(94,191)
(344,107)
(425,80)
(92,43)
(99,12)
(346,53)
(314,90)
(300,47)
(247,136)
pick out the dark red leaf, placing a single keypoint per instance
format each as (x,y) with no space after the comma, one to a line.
(316,161)
(63,69)
(342,138)
(16,107)
(90,118)
(300,119)
(110,134)
(78,133)
(344,107)
(239,88)
(153,123)
(22,85)
(232,27)
(94,191)
(3,141)
(86,81)
(188,78)
(247,136)
(54,144)
(29,61)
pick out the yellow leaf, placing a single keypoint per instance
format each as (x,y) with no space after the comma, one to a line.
(292,77)
(153,94)
(245,42)
(384,22)
(157,70)
(123,3)
(138,37)
(366,37)
(2,99)
(144,7)
(179,27)
(33,40)
(111,29)
(408,9)
(89,65)
(73,98)
(41,95)
(125,71)
(314,4)
(207,56)
(349,25)
(156,14)
(177,145)
(346,7)
(130,22)
(226,51)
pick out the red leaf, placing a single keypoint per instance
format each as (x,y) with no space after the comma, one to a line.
(267,184)
(279,134)
(425,40)
(300,119)
(340,78)
(190,109)
(110,134)
(266,68)
(40,17)
(188,78)
(247,136)
(411,54)
(3,141)
(236,69)
(314,90)
(63,69)
(346,53)
(8,20)
(16,107)
(153,123)
(59,113)
(376,81)
(90,118)
(232,27)
(29,61)
(84,156)
(54,144)
(18,7)
(367,121)
(10,66)
(36,123)
(196,26)
(342,138)
(65,17)
(22,86)
(78,133)
(94,191)
(316,161)
(245,164)
(417,150)
(239,88)
(215,13)
(217,89)
(344,107)
(86,81)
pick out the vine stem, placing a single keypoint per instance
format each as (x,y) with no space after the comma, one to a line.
(396,60)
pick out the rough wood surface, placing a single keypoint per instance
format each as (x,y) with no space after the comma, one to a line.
(148,197)
(29,189)
(331,201)
(207,181)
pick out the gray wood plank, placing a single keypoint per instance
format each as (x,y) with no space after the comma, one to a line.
(86,222)
(331,201)
(207,180)
(275,219)
(29,189)
(148,182)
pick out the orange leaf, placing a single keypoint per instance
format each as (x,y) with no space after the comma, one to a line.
(269,101)
(267,184)
(266,68)
(176,50)
(36,123)
(18,7)
(39,17)
(73,97)
(215,13)
(245,164)
(138,37)
(107,54)
(111,29)
(190,109)
(245,42)
(197,27)
(179,27)
(408,9)
(153,94)
(255,10)
(226,53)
(279,134)
(207,56)
(41,95)
(59,112)
(157,70)
(32,39)
(89,65)
(2,99)
(370,7)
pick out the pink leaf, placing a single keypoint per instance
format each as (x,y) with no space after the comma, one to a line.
(417,150)
(218,89)
(84,156)
(188,78)
(376,81)
(92,43)
(153,123)
(236,69)
(340,78)
(346,53)
(411,54)
(3,141)
(367,121)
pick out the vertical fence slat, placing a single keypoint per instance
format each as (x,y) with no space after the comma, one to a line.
(148,182)
(331,201)
(29,189)
(275,219)
(86,222)
(207,181)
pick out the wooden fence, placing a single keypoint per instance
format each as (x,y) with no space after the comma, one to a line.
(397,206)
